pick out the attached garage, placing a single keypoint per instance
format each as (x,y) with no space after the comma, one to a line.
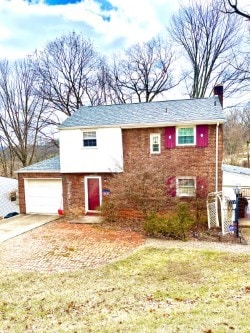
(43,196)
(40,187)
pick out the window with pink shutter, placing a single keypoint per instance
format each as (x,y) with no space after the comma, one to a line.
(202,135)
(170,137)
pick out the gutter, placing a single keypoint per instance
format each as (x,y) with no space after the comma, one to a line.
(216,157)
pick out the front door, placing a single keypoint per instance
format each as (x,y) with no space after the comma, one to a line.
(93,190)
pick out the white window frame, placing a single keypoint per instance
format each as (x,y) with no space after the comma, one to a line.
(185,144)
(89,131)
(152,137)
(187,194)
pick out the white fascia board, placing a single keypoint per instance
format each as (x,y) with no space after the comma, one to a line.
(152,125)
(38,171)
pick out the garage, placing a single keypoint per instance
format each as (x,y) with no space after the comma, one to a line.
(43,196)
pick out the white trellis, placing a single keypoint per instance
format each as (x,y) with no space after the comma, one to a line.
(220,212)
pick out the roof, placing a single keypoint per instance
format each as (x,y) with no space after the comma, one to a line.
(236,169)
(185,111)
(49,165)
(4,181)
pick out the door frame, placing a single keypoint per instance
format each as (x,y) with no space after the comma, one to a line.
(87,193)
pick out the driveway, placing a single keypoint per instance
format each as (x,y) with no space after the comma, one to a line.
(63,246)
(20,224)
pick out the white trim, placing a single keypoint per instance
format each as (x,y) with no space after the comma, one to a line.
(216,157)
(151,125)
(96,138)
(86,192)
(185,144)
(152,135)
(177,187)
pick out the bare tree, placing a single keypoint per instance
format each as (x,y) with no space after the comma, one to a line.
(209,40)
(23,115)
(65,68)
(144,72)
(232,7)
(236,135)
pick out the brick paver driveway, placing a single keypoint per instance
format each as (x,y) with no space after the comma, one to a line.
(61,246)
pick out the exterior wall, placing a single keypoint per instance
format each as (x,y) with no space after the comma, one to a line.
(106,157)
(7,185)
(74,194)
(21,190)
(180,160)
(233,179)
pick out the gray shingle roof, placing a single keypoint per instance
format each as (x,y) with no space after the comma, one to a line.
(51,165)
(148,114)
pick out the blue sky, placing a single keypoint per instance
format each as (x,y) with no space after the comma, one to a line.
(112,25)
(26,25)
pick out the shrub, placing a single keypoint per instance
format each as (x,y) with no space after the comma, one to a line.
(109,210)
(174,226)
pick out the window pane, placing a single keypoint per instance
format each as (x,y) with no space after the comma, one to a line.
(155,147)
(89,139)
(155,143)
(186,135)
(186,187)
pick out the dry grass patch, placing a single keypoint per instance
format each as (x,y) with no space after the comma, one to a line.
(154,290)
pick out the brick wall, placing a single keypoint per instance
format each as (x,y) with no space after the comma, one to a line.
(73,191)
(178,161)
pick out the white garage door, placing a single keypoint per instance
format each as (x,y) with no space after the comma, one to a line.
(43,195)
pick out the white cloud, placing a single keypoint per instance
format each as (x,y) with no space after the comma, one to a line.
(25,27)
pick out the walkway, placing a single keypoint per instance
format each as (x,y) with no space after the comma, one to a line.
(63,246)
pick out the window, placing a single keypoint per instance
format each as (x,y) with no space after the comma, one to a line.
(185,136)
(185,186)
(155,143)
(89,139)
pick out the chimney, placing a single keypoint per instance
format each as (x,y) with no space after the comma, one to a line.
(218,90)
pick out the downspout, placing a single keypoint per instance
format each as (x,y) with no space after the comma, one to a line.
(216,157)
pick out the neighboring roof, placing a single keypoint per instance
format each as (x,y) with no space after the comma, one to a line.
(202,110)
(236,169)
(5,181)
(49,165)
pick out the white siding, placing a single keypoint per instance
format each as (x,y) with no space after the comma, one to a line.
(8,185)
(106,157)
(231,180)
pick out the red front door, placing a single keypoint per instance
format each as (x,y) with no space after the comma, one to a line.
(93,193)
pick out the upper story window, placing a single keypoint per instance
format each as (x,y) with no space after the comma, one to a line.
(185,136)
(155,143)
(89,139)
(185,186)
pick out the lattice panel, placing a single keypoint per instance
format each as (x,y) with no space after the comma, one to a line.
(212,214)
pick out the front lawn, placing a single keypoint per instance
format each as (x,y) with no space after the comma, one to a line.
(154,290)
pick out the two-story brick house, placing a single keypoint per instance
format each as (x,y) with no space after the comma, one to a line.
(97,142)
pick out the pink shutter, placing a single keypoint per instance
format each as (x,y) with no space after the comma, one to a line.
(171,186)
(202,135)
(170,137)
(201,187)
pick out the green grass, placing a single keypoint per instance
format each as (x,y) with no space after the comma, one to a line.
(154,290)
